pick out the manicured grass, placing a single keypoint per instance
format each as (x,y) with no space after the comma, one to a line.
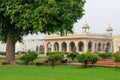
(18,60)
(39,60)
(36,60)
(2,60)
(63,72)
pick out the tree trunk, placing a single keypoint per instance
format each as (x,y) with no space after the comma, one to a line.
(10,52)
(53,64)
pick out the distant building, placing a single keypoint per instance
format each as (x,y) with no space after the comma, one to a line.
(26,45)
(81,42)
(31,44)
(2,47)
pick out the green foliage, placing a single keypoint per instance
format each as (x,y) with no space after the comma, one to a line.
(87,57)
(93,58)
(54,57)
(105,55)
(117,58)
(31,52)
(72,55)
(19,18)
(41,52)
(30,57)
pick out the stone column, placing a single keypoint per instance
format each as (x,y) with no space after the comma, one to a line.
(85,46)
(45,47)
(111,47)
(52,47)
(60,47)
(76,45)
(96,47)
(93,47)
(68,47)
(105,47)
(101,48)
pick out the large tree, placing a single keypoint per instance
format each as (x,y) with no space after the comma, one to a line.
(18,18)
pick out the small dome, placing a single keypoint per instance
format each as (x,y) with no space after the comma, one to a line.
(109,28)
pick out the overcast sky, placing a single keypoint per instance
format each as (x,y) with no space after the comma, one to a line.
(99,14)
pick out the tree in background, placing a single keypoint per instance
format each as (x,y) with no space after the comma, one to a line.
(19,18)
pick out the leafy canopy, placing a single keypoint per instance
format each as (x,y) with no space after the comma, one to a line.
(18,18)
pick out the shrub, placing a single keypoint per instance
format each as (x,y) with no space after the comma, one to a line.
(27,58)
(41,52)
(65,53)
(93,58)
(87,57)
(117,58)
(105,55)
(72,55)
(53,57)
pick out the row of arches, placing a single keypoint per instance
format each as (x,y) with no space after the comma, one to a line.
(64,46)
(80,46)
(40,48)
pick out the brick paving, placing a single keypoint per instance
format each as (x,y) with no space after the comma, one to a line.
(104,62)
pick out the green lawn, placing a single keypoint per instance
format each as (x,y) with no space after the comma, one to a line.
(63,72)
(36,60)
(18,60)
(2,60)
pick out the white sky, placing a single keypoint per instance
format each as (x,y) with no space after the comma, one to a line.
(99,14)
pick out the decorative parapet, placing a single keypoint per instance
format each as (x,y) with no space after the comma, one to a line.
(80,35)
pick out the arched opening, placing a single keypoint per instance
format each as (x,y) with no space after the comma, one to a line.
(95,47)
(99,46)
(49,47)
(108,47)
(56,47)
(41,49)
(81,46)
(103,47)
(37,49)
(64,46)
(72,46)
(90,46)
